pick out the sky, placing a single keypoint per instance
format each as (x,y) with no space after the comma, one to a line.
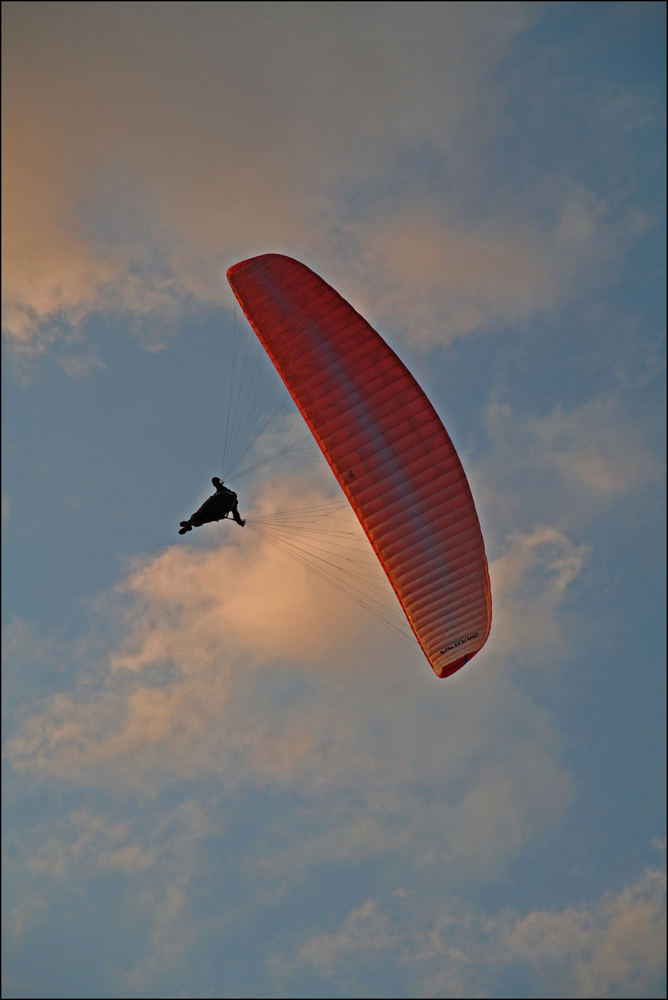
(223,777)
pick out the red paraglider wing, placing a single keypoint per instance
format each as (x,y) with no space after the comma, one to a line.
(386,446)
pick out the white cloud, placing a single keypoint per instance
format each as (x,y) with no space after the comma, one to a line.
(365,932)
(154,862)
(565,467)
(87,840)
(612,946)
(530,583)
(232,134)
(422,266)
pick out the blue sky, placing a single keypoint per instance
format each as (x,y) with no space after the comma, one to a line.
(222,777)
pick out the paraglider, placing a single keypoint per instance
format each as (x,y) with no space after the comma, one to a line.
(216,508)
(386,446)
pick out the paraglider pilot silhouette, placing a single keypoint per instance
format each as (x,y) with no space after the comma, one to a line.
(216,508)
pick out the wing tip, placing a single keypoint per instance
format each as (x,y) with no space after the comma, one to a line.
(448,669)
(451,668)
(266,258)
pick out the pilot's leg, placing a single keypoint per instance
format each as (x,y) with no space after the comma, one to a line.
(237,516)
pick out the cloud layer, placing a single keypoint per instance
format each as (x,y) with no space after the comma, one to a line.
(224,776)
(237,665)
